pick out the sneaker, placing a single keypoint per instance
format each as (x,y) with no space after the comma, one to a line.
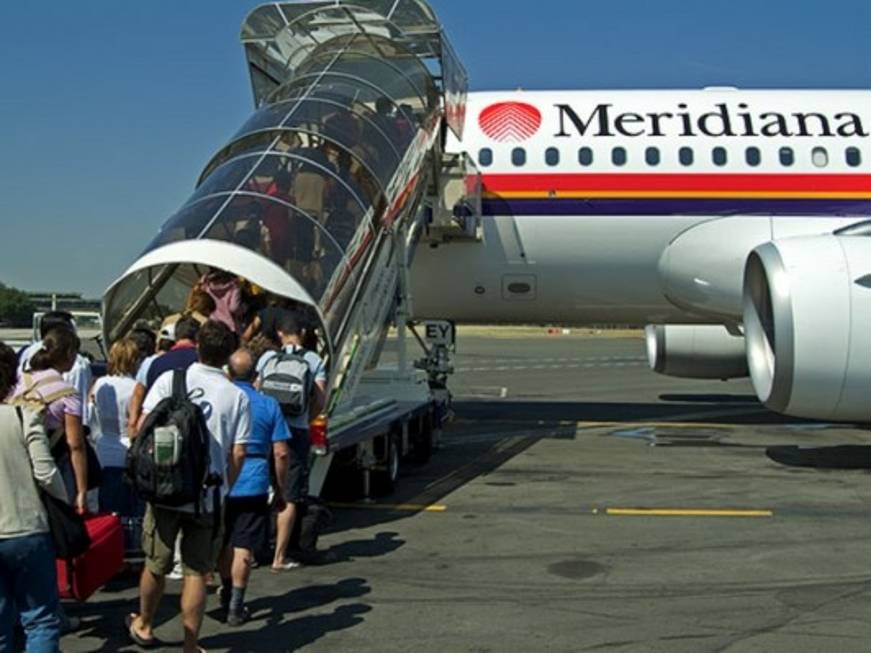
(176,573)
(236,619)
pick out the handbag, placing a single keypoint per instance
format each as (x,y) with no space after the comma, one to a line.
(67,527)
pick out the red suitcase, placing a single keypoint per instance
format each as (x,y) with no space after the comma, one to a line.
(86,574)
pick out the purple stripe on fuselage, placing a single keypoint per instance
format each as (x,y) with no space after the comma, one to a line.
(677,206)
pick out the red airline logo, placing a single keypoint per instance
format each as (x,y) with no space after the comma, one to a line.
(510,122)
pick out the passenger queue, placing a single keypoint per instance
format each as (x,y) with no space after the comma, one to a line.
(244,381)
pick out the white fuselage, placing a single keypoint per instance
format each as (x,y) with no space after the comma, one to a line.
(641,206)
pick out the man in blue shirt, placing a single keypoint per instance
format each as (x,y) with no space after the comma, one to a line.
(247,508)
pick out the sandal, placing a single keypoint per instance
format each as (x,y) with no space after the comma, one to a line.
(285,566)
(135,637)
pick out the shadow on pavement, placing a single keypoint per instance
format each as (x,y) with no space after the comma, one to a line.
(834,457)
(381,544)
(449,470)
(288,635)
(560,411)
(273,608)
(269,630)
(103,622)
(473,446)
(710,398)
(488,433)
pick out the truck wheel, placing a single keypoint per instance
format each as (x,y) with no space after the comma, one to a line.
(384,481)
(423,444)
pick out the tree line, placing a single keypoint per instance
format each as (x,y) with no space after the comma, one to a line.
(16,308)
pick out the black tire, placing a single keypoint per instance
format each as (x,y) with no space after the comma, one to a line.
(422,444)
(386,480)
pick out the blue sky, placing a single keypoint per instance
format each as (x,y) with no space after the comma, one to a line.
(109,110)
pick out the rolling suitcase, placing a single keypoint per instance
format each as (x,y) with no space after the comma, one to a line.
(81,577)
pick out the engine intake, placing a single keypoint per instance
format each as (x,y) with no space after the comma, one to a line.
(807,312)
(695,351)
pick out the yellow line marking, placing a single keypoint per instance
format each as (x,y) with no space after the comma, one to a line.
(401,507)
(684,512)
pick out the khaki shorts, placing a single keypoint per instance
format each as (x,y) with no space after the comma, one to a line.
(200,545)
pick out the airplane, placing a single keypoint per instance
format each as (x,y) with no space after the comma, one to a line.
(727,220)
(730,222)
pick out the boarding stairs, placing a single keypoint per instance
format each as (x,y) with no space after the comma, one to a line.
(323,195)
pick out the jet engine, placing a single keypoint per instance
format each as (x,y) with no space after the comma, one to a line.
(695,351)
(807,324)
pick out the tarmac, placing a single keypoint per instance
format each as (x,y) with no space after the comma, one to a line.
(579,502)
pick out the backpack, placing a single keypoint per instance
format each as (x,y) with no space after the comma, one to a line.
(168,463)
(287,378)
(31,397)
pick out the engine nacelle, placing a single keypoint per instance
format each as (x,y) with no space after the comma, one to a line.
(695,351)
(807,325)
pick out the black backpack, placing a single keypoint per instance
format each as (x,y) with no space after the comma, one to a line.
(287,378)
(168,464)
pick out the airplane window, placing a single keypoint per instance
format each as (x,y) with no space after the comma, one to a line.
(618,156)
(518,156)
(718,155)
(651,156)
(585,156)
(551,156)
(854,157)
(820,157)
(754,158)
(787,157)
(485,156)
(685,154)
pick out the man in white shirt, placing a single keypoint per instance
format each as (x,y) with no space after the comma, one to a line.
(227,414)
(291,334)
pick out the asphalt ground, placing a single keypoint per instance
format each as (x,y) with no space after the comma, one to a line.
(578,502)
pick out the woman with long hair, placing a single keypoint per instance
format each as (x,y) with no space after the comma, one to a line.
(110,402)
(27,566)
(199,306)
(43,384)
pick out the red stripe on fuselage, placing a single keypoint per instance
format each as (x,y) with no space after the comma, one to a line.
(759,183)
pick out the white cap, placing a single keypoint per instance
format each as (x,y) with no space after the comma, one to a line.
(167,332)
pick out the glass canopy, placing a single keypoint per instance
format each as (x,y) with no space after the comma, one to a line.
(348,109)
(280,37)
